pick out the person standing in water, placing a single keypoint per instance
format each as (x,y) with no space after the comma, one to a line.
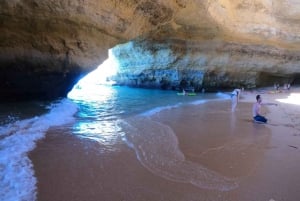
(235,95)
(256,110)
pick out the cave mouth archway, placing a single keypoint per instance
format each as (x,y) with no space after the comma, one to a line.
(87,87)
(296,79)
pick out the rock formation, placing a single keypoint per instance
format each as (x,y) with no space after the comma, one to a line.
(46,46)
(211,65)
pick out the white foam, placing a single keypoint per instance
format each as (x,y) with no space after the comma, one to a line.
(198,102)
(17,181)
(156,147)
(159,109)
(223,95)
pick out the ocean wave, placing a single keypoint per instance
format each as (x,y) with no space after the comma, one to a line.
(198,102)
(16,140)
(223,95)
(220,96)
(156,147)
(159,109)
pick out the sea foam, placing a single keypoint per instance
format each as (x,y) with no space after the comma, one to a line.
(17,181)
(156,147)
(220,97)
(159,109)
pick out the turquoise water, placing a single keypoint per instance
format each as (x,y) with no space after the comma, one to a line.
(120,102)
(99,114)
(103,114)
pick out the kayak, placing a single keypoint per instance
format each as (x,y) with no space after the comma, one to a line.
(186,94)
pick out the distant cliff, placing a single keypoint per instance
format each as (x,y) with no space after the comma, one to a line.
(46,46)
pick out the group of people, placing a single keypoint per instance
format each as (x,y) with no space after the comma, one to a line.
(256,109)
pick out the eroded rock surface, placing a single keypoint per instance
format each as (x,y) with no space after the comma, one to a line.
(45,46)
(212,65)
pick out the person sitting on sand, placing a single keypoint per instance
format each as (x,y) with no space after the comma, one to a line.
(235,95)
(256,110)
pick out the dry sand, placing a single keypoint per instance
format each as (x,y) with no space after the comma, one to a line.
(263,158)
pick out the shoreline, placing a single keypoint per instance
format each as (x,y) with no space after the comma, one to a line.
(262,157)
(284,147)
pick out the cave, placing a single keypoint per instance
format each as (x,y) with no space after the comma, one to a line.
(46,47)
(106,100)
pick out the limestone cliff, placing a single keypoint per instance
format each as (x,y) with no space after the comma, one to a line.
(211,65)
(45,46)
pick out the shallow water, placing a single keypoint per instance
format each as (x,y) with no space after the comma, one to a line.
(148,145)
(156,146)
(176,154)
(98,118)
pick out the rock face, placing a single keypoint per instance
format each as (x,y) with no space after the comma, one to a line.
(46,46)
(212,65)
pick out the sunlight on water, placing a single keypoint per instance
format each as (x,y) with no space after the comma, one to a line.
(97,116)
(294,98)
(104,132)
(96,99)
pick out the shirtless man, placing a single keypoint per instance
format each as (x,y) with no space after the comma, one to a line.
(256,110)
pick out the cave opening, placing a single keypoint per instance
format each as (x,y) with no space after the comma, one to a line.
(296,79)
(269,79)
(87,88)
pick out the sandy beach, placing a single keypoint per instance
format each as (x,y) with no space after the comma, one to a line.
(263,159)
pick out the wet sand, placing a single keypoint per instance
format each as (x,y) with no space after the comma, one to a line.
(262,158)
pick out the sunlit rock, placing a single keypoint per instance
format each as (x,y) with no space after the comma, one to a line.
(213,65)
